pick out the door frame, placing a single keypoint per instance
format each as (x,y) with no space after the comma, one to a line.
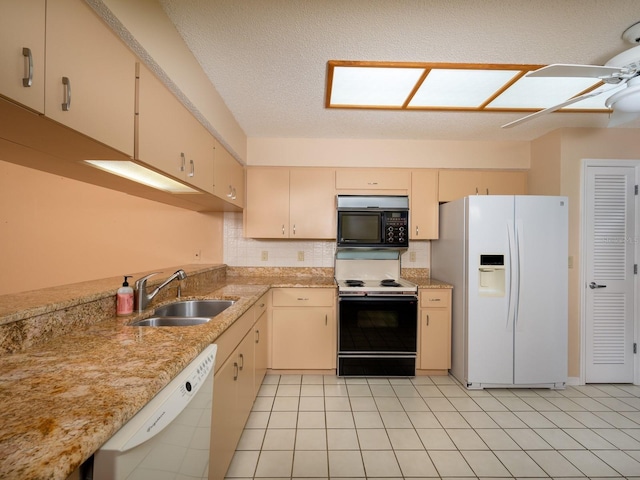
(599,162)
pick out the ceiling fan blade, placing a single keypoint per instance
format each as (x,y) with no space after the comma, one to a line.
(567,70)
(554,108)
(620,118)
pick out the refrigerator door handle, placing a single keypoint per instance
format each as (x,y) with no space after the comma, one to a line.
(511,291)
(518,267)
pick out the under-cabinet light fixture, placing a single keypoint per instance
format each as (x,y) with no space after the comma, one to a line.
(138,173)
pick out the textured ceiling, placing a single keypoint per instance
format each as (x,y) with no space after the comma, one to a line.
(268,58)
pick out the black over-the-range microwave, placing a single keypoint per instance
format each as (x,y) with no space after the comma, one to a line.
(373,221)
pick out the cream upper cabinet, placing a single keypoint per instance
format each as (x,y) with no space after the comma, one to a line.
(290,203)
(312,204)
(90,75)
(454,184)
(373,179)
(303,328)
(169,137)
(435,329)
(22,32)
(228,176)
(266,212)
(423,208)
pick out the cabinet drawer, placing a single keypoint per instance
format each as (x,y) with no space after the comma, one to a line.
(434,298)
(261,306)
(303,297)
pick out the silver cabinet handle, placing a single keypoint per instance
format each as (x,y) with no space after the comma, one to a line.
(66,105)
(183,162)
(372,183)
(234,194)
(326,320)
(594,285)
(193,168)
(230,194)
(257,336)
(235,371)
(417,230)
(241,361)
(427,320)
(28,79)
(476,190)
(487,191)
(294,228)
(303,299)
(283,229)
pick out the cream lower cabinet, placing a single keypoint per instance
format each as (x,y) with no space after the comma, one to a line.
(435,329)
(454,184)
(261,340)
(240,361)
(303,329)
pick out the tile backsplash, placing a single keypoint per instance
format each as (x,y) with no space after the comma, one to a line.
(249,252)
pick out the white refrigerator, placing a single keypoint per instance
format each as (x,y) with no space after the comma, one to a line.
(507,259)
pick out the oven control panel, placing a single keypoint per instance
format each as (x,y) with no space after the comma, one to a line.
(396,228)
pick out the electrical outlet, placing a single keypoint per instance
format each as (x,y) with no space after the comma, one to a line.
(301,256)
(412,256)
(264,256)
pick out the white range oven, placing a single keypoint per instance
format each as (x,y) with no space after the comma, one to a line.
(377,315)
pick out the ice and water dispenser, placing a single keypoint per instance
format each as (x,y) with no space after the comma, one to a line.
(491,275)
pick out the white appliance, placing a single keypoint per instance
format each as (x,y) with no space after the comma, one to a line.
(507,258)
(169,437)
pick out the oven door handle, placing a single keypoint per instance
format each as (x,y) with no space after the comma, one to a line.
(380,298)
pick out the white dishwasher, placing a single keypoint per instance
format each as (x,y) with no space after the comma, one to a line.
(169,437)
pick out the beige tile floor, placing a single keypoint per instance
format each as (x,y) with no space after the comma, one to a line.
(314,426)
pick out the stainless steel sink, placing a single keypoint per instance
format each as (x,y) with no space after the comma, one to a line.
(184,313)
(194,308)
(170,322)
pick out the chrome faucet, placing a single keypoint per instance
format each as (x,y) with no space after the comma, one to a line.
(142,298)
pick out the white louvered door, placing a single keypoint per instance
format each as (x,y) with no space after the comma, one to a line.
(610,253)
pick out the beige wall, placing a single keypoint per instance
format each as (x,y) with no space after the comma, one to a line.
(557,161)
(340,152)
(56,231)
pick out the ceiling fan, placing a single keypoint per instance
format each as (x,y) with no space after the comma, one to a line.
(623,69)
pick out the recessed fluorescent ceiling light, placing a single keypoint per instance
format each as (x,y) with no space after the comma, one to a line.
(140,174)
(448,86)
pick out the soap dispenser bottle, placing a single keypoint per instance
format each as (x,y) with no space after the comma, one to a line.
(124,298)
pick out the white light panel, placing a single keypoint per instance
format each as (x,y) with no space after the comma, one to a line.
(543,92)
(460,87)
(373,86)
(140,174)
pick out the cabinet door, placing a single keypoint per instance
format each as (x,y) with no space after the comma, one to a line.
(261,339)
(424,205)
(246,380)
(226,421)
(228,177)
(99,98)
(312,203)
(435,339)
(454,184)
(22,26)
(373,179)
(303,338)
(504,183)
(169,138)
(267,207)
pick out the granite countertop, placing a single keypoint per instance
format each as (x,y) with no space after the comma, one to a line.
(62,400)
